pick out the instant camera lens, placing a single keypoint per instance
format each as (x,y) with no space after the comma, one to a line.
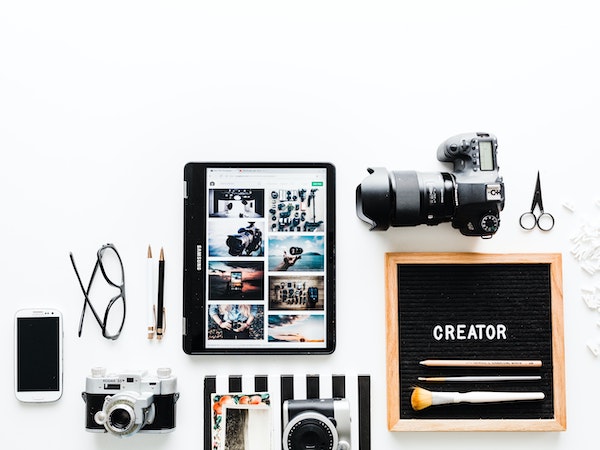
(311,433)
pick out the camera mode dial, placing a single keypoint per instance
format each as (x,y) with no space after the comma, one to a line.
(490,223)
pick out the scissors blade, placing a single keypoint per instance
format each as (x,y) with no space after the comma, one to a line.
(537,195)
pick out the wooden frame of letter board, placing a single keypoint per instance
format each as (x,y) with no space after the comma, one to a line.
(396,423)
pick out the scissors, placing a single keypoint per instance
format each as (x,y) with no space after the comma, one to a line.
(544,221)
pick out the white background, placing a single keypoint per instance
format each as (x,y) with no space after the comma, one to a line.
(103,103)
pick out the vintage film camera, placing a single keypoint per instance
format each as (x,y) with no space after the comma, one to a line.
(125,403)
(316,424)
(471,197)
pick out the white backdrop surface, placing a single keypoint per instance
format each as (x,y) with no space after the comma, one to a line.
(103,103)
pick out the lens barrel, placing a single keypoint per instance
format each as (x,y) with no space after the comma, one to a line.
(237,243)
(119,419)
(311,433)
(405,198)
(310,430)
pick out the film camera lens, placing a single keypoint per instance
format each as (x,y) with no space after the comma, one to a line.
(118,414)
(120,419)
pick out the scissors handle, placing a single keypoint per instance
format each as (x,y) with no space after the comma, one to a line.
(528,221)
(545,221)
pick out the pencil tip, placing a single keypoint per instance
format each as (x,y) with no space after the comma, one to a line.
(162,254)
(149,252)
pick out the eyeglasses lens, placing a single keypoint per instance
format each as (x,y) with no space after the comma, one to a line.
(111,265)
(115,316)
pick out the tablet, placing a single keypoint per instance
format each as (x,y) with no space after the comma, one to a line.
(259,258)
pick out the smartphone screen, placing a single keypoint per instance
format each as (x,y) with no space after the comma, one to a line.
(38,355)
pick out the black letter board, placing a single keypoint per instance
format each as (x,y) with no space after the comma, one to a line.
(470,307)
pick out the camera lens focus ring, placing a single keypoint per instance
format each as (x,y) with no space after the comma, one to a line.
(310,430)
(121,418)
(126,413)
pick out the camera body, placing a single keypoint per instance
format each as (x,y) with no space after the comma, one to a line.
(316,423)
(471,197)
(127,402)
(294,251)
(247,240)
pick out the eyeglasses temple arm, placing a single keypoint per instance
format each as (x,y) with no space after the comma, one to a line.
(85,294)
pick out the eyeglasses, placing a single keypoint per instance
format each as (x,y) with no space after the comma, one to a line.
(111,267)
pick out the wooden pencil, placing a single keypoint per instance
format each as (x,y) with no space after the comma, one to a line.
(491,378)
(480,363)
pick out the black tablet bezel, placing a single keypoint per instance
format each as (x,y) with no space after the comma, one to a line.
(195,259)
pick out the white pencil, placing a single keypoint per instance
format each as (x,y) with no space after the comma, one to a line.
(150,293)
(483,378)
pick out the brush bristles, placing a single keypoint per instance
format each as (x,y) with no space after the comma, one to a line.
(420,399)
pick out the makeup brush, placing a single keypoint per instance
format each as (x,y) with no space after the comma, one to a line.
(422,398)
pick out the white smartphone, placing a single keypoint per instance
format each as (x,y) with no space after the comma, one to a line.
(38,355)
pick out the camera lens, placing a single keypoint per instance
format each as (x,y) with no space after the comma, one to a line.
(247,239)
(310,434)
(236,244)
(405,198)
(119,419)
(125,413)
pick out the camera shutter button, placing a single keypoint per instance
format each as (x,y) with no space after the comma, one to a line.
(163,372)
(98,372)
(343,445)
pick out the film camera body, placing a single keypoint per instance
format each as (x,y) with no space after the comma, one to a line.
(471,197)
(316,424)
(125,403)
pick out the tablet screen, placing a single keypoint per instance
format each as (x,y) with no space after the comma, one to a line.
(259,267)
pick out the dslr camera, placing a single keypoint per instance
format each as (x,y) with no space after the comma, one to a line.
(316,424)
(125,403)
(247,240)
(471,196)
